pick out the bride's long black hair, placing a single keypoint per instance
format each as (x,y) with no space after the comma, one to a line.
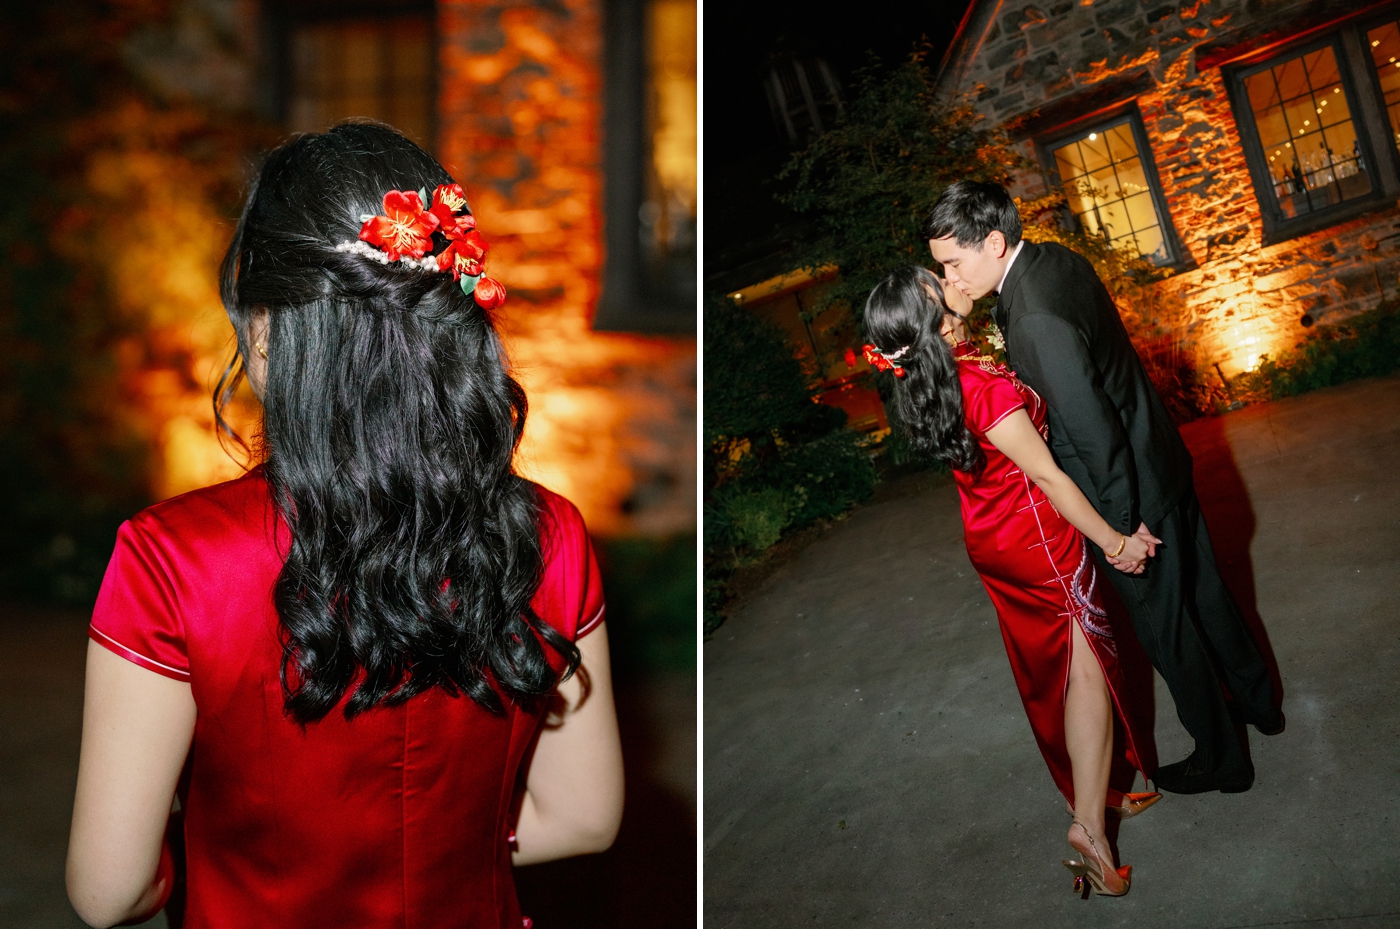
(389,427)
(906,309)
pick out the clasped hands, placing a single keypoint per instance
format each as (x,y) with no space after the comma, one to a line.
(1137,548)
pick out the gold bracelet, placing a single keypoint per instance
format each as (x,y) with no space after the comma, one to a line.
(1122,543)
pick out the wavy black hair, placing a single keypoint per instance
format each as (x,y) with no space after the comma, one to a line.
(906,309)
(389,427)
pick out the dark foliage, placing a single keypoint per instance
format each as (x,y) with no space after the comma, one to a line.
(775,461)
(868,184)
(650,587)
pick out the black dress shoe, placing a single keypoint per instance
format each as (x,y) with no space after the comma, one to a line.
(1192,776)
(1272,725)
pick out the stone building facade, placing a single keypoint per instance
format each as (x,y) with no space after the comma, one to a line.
(1248,146)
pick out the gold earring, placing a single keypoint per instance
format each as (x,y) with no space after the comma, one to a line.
(950,339)
(258,346)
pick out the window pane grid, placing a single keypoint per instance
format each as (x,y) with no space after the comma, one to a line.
(1305,125)
(1108,191)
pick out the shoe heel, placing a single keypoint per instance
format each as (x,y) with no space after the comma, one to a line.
(1081,877)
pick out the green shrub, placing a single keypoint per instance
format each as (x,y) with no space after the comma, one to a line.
(757,517)
(827,476)
(775,461)
(1366,345)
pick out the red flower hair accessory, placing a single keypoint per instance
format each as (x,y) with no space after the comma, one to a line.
(881,361)
(405,231)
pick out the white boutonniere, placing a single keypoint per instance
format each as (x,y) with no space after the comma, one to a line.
(994,336)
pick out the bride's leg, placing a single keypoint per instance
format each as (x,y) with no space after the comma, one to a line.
(1088,734)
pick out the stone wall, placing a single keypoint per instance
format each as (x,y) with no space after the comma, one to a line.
(1241,298)
(612,421)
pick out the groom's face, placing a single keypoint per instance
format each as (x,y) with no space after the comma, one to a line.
(975,270)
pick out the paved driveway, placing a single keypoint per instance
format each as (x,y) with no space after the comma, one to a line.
(868,763)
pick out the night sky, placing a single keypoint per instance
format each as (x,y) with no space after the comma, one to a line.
(742,146)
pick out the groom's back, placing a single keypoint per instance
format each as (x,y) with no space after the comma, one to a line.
(1059,288)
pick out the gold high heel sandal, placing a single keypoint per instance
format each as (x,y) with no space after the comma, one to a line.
(1092,872)
(1133,804)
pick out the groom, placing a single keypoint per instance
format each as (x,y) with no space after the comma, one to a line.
(1111,434)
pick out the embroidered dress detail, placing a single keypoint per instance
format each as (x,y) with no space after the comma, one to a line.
(1083,590)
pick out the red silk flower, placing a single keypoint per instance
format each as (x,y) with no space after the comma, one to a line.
(879,361)
(464,255)
(448,199)
(405,228)
(489,293)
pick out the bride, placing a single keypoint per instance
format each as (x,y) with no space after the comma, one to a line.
(1026,525)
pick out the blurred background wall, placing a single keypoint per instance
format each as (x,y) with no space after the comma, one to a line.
(127,131)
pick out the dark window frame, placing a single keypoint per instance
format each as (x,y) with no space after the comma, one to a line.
(278,21)
(630,299)
(1373,82)
(1046,142)
(1363,100)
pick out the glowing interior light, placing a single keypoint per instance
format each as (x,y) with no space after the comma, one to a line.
(1336,90)
(1095,135)
(1375,42)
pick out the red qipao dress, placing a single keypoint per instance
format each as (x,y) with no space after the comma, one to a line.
(1038,571)
(398,818)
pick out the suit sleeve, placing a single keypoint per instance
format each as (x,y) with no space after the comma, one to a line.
(1051,355)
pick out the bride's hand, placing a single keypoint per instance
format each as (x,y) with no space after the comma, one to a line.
(1133,557)
(957,301)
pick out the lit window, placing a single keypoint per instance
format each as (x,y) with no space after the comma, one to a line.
(379,68)
(1110,189)
(1385,54)
(1303,120)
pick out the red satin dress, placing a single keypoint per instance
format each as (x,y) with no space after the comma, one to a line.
(398,818)
(1038,571)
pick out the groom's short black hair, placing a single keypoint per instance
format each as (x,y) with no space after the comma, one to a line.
(969,211)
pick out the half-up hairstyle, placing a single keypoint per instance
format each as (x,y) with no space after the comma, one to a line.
(389,428)
(906,309)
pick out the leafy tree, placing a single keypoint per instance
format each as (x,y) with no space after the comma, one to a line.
(869,182)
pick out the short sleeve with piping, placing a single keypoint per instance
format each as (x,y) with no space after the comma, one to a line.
(987,399)
(137,614)
(570,597)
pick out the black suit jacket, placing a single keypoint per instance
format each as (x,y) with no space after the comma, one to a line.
(1109,430)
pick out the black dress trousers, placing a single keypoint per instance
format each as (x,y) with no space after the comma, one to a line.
(1193,633)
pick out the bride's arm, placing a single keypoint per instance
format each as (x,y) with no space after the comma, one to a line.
(573,791)
(1016,438)
(137,727)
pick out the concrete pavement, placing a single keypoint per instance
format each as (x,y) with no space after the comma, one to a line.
(868,762)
